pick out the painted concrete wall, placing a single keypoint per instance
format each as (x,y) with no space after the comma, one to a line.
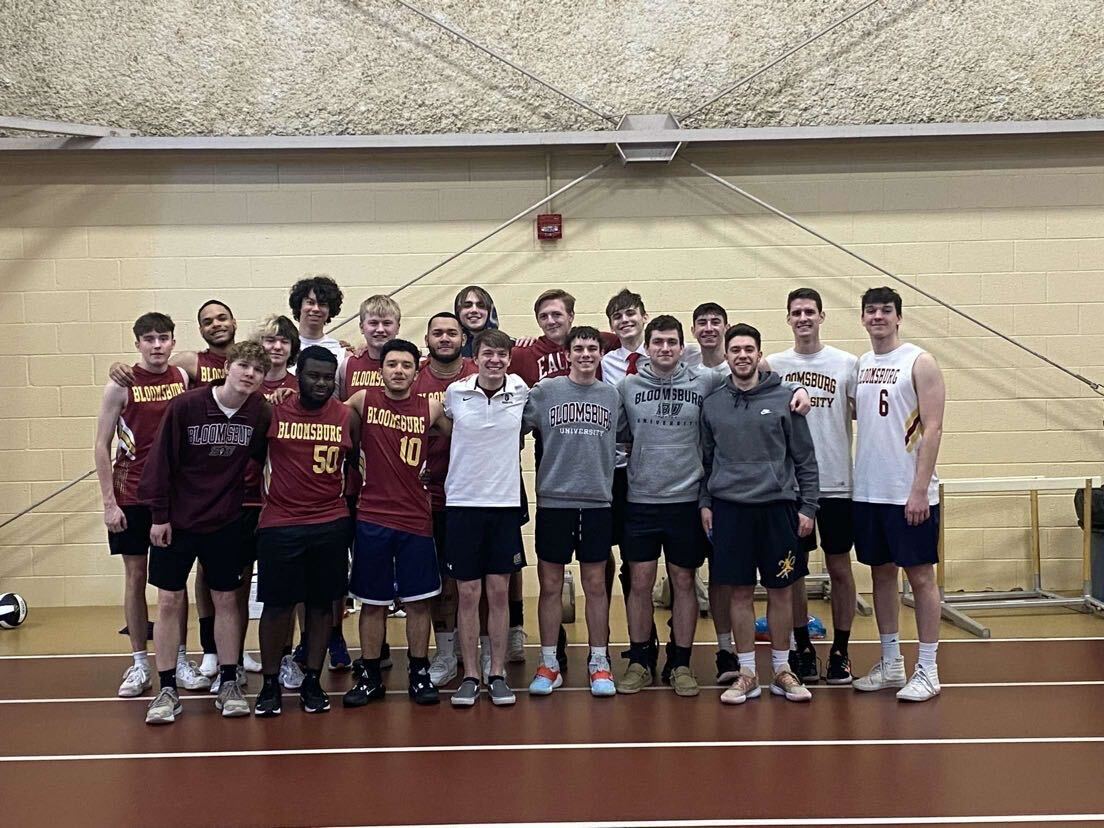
(1012,231)
(371,66)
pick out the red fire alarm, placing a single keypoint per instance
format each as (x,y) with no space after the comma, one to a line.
(549,226)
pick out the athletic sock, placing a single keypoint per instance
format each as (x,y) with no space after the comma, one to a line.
(891,646)
(680,657)
(747,660)
(599,652)
(639,652)
(779,659)
(141,659)
(418,665)
(271,680)
(517,613)
(548,658)
(927,655)
(372,664)
(726,642)
(801,638)
(207,635)
(312,676)
(228,672)
(446,644)
(839,641)
(167,678)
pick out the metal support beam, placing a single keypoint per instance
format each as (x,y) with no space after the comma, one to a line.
(62,127)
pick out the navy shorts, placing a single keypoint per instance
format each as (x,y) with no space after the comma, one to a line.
(883,536)
(134,540)
(836,526)
(303,564)
(674,528)
(756,536)
(218,552)
(483,541)
(585,533)
(389,564)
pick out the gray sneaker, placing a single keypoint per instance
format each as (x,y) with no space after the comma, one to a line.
(291,674)
(500,691)
(164,708)
(231,701)
(467,694)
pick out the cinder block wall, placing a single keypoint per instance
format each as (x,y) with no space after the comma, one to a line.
(1011,231)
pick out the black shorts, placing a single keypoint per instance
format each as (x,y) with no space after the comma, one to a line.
(440,532)
(134,540)
(251,515)
(756,536)
(219,552)
(836,526)
(303,564)
(584,533)
(620,502)
(482,541)
(883,536)
(674,528)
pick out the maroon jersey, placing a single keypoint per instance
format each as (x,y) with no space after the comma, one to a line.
(254,471)
(393,442)
(429,385)
(361,372)
(544,358)
(209,368)
(139,420)
(306,460)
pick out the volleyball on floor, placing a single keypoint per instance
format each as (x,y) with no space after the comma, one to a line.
(13,610)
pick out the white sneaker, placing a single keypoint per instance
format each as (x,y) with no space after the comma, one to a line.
(442,670)
(251,664)
(136,681)
(923,685)
(189,677)
(883,675)
(291,674)
(515,645)
(209,665)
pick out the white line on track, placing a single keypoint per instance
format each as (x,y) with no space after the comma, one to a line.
(719,823)
(623,645)
(512,748)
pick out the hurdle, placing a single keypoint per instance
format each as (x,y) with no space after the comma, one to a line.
(953,607)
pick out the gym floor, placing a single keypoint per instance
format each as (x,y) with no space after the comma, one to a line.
(1017,737)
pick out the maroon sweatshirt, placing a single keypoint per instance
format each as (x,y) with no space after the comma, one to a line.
(194,477)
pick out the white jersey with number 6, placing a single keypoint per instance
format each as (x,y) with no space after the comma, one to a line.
(890,431)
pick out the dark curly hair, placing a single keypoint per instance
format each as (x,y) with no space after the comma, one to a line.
(326,292)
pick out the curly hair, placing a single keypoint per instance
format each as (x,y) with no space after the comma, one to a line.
(326,292)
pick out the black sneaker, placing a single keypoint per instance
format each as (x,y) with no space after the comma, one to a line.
(839,669)
(268,702)
(808,666)
(728,668)
(561,649)
(312,698)
(422,690)
(368,686)
(385,657)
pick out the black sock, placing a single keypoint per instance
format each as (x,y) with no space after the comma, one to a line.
(679,656)
(839,641)
(640,652)
(314,676)
(517,613)
(207,635)
(168,678)
(372,664)
(229,672)
(418,665)
(271,680)
(801,636)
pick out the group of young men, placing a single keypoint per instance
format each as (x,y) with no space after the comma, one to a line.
(707,452)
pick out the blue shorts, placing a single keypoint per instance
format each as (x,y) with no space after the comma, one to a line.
(390,564)
(883,536)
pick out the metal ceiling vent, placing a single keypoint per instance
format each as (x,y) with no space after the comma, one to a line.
(660,150)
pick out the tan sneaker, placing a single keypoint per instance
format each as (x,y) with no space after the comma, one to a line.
(684,682)
(786,683)
(636,678)
(746,686)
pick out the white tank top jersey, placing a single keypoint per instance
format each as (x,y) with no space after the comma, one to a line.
(829,376)
(890,432)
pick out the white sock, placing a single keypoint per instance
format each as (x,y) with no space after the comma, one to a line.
(747,660)
(141,659)
(779,659)
(599,652)
(181,655)
(891,646)
(446,644)
(548,658)
(726,642)
(927,655)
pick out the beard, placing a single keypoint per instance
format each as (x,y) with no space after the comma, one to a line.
(444,359)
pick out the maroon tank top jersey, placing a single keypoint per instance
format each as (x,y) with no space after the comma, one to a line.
(254,471)
(393,442)
(432,387)
(306,458)
(361,372)
(209,368)
(146,402)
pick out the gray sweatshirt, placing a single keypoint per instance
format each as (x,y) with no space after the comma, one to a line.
(755,450)
(578,429)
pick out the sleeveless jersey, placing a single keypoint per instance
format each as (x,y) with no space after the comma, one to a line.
(360,372)
(209,368)
(254,471)
(393,442)
(890,431)
(306,460)
(432,387)
(137,427)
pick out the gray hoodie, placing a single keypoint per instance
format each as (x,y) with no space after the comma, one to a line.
(755,450)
